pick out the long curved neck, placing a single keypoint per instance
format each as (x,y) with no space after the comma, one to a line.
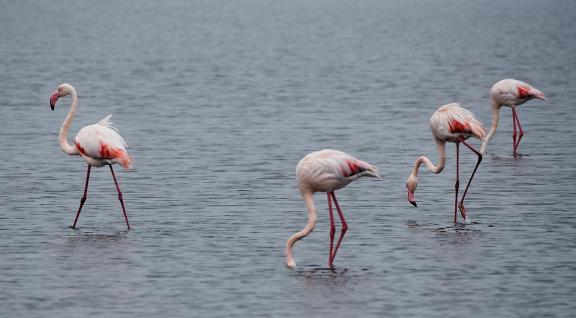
(495,117)
(312,218)
(433,168)
(63,137)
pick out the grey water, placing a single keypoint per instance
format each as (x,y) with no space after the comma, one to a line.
(218,100)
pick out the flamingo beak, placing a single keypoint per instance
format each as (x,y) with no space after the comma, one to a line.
(53,98)
(411,197)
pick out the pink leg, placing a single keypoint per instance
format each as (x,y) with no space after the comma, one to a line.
(120,197)
(332,229)
(457,184)
(521,132)
(461,206)
(514,133)
(344,226)
(83,199)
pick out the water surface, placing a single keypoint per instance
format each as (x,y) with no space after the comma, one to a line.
(220,99)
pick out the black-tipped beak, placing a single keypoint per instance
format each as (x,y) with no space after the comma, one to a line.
(54,98)
(413,203)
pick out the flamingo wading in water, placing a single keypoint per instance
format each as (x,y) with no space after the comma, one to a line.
(326,171)
(99,144)
(511,93)
(450,123)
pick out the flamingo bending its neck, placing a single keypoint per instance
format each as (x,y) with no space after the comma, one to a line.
(99,144)
(450,123)
(511,93)
(326,171)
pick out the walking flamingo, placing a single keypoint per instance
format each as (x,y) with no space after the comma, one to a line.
(99,144)
(326,171)
(450,123)
(511,93)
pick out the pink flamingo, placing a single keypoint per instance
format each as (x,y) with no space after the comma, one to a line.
(326,171)
(450,123)
(99,144)
(511,93)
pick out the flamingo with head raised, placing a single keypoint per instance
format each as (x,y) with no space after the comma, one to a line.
(326,171)
(511,93)
(99,144)
(450,123)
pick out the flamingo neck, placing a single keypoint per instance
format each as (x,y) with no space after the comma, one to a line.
(312,218)
(495,117)
(63,136)
(433,168)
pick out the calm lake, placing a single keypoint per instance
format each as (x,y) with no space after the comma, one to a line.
(219,100)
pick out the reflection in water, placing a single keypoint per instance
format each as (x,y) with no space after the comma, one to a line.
(81,236)
(91,244)
(460,232)
(323,278)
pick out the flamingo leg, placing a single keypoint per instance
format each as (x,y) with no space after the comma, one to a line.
(332,229)
(521,132)
(457,184)
(514,135)
(344,225)
(83,199)
(461,205)
(120,197)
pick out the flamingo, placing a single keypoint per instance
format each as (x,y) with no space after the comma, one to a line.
(326,171)
(450,123)
(511,93)
(99,144)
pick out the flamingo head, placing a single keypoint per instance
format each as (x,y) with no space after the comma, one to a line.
(411,185)
(61,91)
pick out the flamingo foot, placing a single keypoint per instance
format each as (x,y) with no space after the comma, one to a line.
(517,155)
(462,209)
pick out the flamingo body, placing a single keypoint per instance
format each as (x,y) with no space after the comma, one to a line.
(326,171)
(329,170)
(450,123)
(101,144)
(512,93)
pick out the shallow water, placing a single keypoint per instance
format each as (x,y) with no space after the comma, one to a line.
(219,101)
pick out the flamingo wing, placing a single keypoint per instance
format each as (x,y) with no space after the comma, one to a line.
(332,168)
(103,142)
(511,92)
(454,119)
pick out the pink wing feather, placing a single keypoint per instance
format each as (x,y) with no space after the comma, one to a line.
(102,141)
(453,119)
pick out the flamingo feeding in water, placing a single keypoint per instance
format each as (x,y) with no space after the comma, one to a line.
(326,171)
(450,123)
(511,93)
(99,144)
